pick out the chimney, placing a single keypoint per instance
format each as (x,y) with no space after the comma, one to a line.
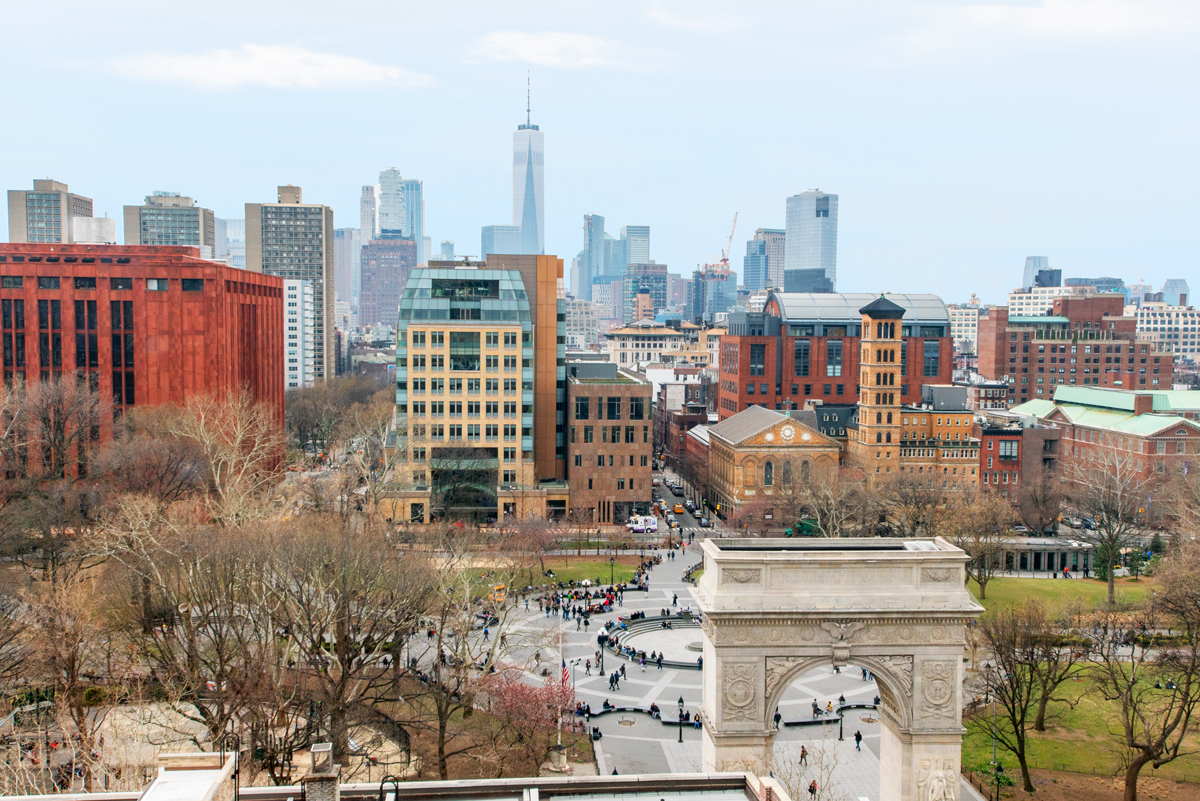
(1143,403)
(322,783)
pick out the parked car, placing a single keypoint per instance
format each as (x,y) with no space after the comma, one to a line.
(1074,522)
(655,482)
(1023,530)
(704,522)
(691,507)
(1088,523)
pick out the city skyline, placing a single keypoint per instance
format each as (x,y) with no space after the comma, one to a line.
(883,105)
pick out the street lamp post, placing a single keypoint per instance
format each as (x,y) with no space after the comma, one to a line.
(611,563)
(987,667)
(681,718)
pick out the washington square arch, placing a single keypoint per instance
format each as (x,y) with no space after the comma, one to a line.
(773,609)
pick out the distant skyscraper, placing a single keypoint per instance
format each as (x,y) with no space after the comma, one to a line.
(808,281)
(299,329)
(367,214)
(713,290)
(504,239)
(811,237)
(169,219)
(593,255)
(347,259)
(638,239)
(386,265)
(754,265)
(393,218)
(1173,289)
(616,255)
(293,239)
(95,230)
(414,211)
(1047,278)
(775,240)
(447,253)
(529,197)
(1033,265)
(639,277)
(45,214)
(235,241)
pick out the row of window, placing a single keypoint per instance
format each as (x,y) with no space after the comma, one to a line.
(583,407)
(611,461)
(437,386)
(88,282)
(472,432)
(615,436)
(455,409)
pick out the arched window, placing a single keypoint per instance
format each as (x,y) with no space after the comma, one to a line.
(878,437)
(889,418)
(889,438)
(787,473)
(878,417)
(804,471)
(768,474)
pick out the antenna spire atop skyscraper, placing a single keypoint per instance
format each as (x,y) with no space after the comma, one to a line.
(527,118)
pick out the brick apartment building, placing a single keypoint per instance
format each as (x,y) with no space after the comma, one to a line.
(609,446)
(1086,341)
(806,346)
(146,325)
(1156,431)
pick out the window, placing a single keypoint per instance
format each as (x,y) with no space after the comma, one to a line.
(758,358)
(932,358)
(768,474)
(749,389)
(587,434)
(48,282)
(630,431)
(802,359)
(614,408)
(833,358)
(12,282)
(582,408)
(437,339)
(156,284)
(1008,448)
(418,339)
(637,409)
(510,339)
(493,339)
(85,282)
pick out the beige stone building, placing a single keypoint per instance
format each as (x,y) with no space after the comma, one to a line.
(757,450)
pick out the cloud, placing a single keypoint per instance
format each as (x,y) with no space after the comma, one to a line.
(684,17)
(1060,21)
(559,49)
(273,66)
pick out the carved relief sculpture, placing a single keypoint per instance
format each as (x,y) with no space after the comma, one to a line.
(939,575)
(740,686)
(740,576)
(901,667)
(938,688)
(936,780)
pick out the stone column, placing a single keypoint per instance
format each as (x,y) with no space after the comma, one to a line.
(734,705)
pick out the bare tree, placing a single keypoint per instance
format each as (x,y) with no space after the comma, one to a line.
(1156,686)
(376,442)
(346,601)
(756,515)
(242,446)
(913,504)
(975,522)
(1015,638)
(1112,492)
(473,629)
(834,504)
(1040,498)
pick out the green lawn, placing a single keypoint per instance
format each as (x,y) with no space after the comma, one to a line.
(1057,593)
(577,568)
(1079,740)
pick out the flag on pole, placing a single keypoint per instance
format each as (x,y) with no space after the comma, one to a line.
(566,675)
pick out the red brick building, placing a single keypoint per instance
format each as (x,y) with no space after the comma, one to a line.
(1087,341)
(145,324)
(806,346)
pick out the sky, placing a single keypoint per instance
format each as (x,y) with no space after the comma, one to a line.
(960,136)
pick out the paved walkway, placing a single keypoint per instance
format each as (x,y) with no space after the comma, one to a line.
(636,743)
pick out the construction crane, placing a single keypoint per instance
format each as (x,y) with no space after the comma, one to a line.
(729,244)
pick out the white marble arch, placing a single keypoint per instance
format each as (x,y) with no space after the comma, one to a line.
(773,609)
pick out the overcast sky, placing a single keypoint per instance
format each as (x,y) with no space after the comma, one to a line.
(961,137)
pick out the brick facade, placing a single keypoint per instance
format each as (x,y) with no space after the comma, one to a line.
(609,447)
(147,325)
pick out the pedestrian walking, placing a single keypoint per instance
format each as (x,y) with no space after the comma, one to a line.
(816,709)
(587,668)
(778,717)
(812,789)
(622,671)
(643,661)
(578,623)
(864,670)
(660,661)
(675,599)
(858,741)
(804,756)
(485,632)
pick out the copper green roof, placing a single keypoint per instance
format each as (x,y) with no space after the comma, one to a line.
(1109,419)
(1169,400)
